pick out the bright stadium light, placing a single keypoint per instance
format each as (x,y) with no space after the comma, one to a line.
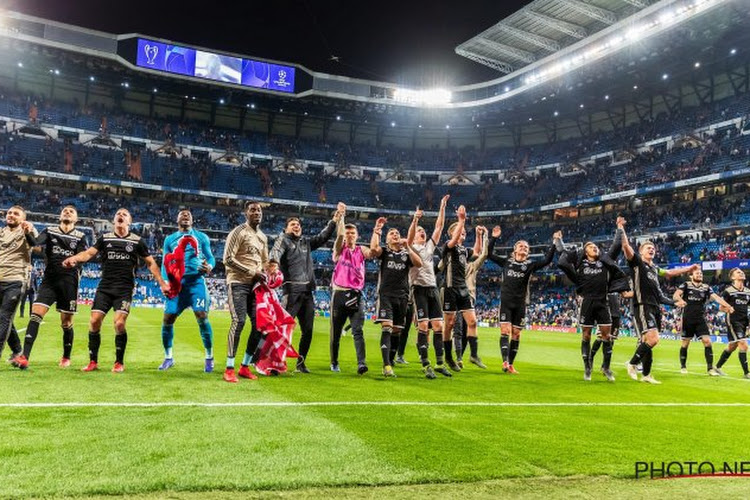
(20,64)
(430,97)
(91,78)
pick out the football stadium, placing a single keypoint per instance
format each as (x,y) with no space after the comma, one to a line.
(226,275)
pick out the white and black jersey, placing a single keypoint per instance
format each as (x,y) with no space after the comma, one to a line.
(454,265)
(696,298)
(646,288)
(514,292)
(737,322)
(393,278)
(119,256)
(58,246)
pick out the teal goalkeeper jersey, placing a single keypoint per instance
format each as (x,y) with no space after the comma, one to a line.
(193,259)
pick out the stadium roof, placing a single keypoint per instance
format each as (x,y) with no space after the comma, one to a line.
(542,28)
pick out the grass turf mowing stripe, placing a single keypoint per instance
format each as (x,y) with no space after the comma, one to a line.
(274,404)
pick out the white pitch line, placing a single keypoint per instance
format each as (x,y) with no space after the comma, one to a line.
(286,404)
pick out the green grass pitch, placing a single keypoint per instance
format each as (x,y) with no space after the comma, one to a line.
(446,441)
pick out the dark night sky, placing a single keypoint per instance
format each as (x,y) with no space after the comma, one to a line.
(408,42)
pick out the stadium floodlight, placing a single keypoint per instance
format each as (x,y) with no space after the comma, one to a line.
(393,124)
(733,51)
(664,76)
(556,113)
(697,64)
(20,64)
(447,127)
(221,101)
(156,90)
(430,97)
(91,78)
(252,106)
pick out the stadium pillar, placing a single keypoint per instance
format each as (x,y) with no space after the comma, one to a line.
(298,126)
(326,129)
(243,114)
(271,118)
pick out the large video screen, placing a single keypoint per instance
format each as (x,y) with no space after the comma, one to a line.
(221,68)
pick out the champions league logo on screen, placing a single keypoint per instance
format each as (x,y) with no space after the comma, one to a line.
(281,81)
(151,52)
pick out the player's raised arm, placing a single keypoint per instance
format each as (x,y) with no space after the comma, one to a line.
(550,255)
(440,222)
(322,237)
(671,273)
(500,261)
(375,249)
(456,235)
(413,228)
(616,247)
(627,250)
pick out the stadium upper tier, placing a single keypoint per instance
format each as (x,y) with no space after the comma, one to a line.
(524,184)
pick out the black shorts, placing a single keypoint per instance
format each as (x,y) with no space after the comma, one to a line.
(516,316)
(594,312)
(62,292)
(736,329)
(457,300)
(427,303)
(105,300)
(646,317)
(695,328)
(392,309)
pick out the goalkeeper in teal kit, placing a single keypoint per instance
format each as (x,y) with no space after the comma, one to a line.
(187,258)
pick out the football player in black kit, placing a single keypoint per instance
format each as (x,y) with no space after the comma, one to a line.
(615,310)
(647,297)
(456,296)
(120,251)
(514,293)
(737,295)
(593,275)
(393,288)
(693,295)
(59,284)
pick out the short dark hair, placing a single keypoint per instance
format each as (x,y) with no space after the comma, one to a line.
(250,203)
(350,226)
(292,219)
(184,209)
(70,205)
